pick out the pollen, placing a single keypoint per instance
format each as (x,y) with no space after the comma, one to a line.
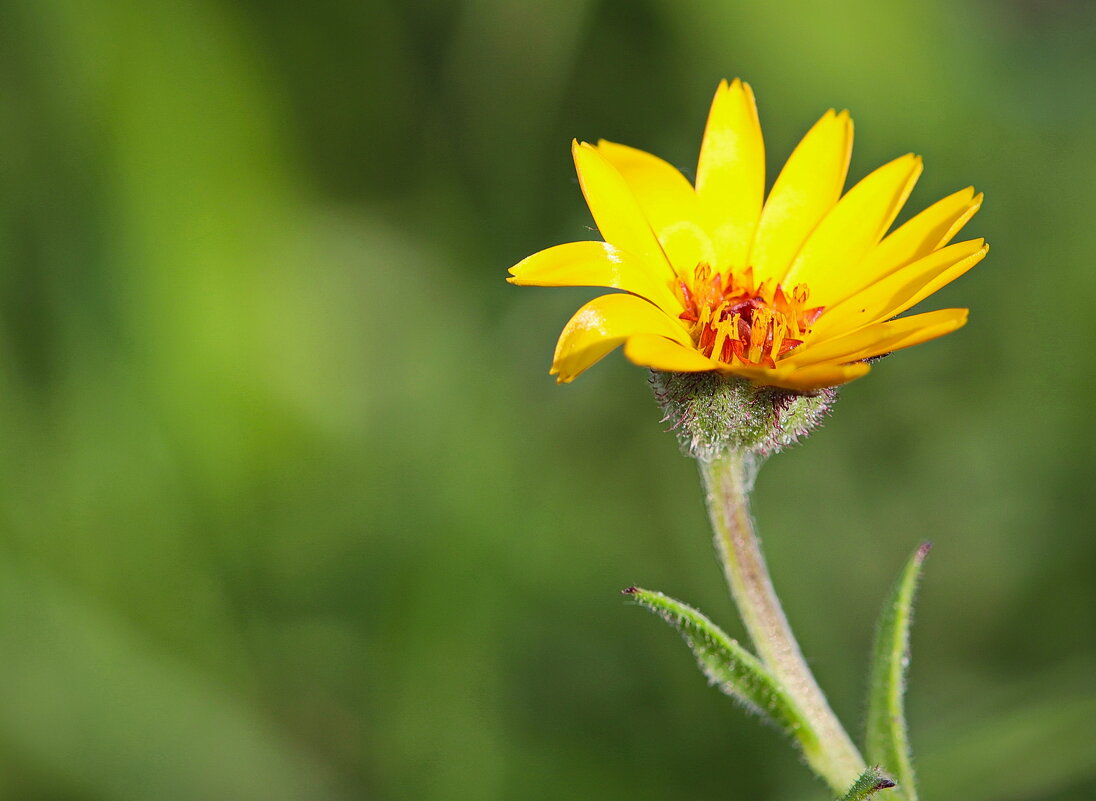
(736,321)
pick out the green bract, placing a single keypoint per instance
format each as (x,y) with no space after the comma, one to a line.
(714,414)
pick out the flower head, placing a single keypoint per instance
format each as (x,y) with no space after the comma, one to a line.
(797,290)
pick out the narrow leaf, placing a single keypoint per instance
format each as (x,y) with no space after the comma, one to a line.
(733,669)
(870,782)
(887,737)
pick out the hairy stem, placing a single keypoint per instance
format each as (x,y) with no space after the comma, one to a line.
(727,481)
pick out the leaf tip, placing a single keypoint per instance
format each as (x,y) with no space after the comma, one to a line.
(870,782)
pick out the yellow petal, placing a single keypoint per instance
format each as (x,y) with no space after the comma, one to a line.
(823,375)
(730,175)
(668,201)
(874,340)
(594,264)
(602,325)
(852,228)
(900,290)
(939,282)
(660,353)
(807,188)
(664,194)
(931,229)
(804,379)
(616,210)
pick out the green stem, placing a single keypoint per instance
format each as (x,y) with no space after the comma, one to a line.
(727,481)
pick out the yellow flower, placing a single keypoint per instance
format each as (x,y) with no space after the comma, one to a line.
(796,291)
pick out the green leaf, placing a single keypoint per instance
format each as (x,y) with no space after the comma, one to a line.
(870,782)
(887,737)
(732,668)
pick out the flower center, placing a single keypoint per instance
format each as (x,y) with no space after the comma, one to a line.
(734,319)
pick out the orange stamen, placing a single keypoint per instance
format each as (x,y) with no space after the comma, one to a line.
(735,320)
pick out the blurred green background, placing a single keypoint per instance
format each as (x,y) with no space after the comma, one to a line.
(290,508)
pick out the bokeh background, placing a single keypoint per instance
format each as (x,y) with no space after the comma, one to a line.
(290,508)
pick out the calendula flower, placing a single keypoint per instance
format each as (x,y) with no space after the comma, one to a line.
(797,290)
